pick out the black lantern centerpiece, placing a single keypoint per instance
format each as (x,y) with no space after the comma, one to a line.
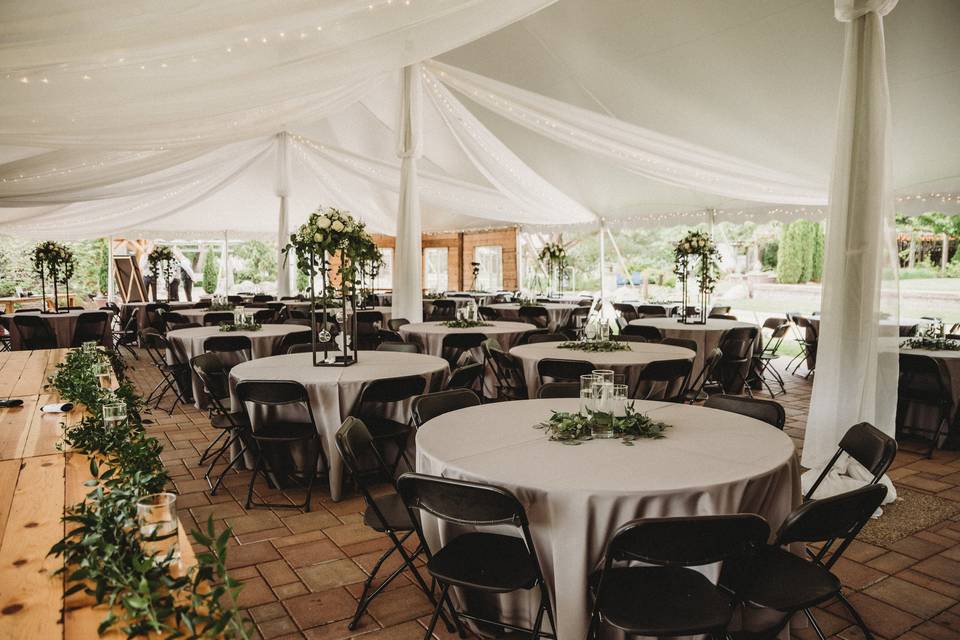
(163,264)
(696,256)
(56,261)
(335,246)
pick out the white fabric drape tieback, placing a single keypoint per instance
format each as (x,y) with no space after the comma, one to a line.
(845,475)
(850,10)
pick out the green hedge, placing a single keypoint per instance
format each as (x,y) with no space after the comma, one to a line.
(800,255)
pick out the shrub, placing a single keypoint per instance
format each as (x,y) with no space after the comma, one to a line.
(210,271)
(800,254)
(768,256)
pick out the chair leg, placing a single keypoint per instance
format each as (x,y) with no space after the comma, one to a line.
(223,474)
(364,600)
(256,471)
(213,443)
(856,616)
(436,612)
(813,623)
(313,476)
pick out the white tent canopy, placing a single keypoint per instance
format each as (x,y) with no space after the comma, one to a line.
(162,119)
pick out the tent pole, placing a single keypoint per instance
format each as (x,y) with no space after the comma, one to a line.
(283,221)
(110,276)
(226,263)
(603,259)
(408,257)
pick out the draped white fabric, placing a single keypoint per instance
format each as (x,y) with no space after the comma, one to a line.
(857,357)
(407,292)
(647,153)
(283,217)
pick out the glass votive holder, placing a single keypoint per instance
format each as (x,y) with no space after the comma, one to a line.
(159,527)
(618,400)
(114,415)
(604,375)
(601,425)
(104,373)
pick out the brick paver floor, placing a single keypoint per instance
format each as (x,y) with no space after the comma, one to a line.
(303,571)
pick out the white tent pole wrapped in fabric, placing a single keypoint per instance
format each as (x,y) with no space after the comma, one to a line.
(857,361)
(283,218)
(407,293)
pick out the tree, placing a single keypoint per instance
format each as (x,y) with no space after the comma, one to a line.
(816,269)
(259,262)
(211,269)
(800,255)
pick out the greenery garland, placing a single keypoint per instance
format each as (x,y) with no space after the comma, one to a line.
(595,346)
(934,338)
(227,327)
(574,428)
(103,549)
(465,324)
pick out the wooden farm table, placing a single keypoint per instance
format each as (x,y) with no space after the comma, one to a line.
(37,482)
(9,301)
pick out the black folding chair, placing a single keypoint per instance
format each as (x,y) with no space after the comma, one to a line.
(5,343)
(232,349)
(711,361)
(809,337)
(651,334)
(369,324)
(128,335)
(778,579)
(507,374)
(719,311)
(394,324)
(924,381)
(469,376)
(666,380)
(384,513)
(374,396)
(91,327)
(737,346)
(479,560)
(232,426)
(627,311)
(764,358)
(766,410)
(668,598)
(651,311)
(34,332)
(262,297)
(455,345)
(488,314)
(866,444)
(174,376)
(535,315)
(213,318)
(444,310)
(296,337)
(429,406)
(559,390)
(268,396)
(559,370)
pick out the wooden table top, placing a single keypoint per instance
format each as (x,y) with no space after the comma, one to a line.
(37,482)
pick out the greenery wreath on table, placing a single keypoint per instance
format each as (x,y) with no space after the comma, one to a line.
(574,428)
(932,339)
(595,346)
(228,327)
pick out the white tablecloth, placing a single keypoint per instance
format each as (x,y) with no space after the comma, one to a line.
(707,336)
(711,463)
(429,335)
(559,313)
(334,390)
(197,315)
(63,325)
(629,363)
(188,343)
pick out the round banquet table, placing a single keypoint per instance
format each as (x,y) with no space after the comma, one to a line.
(707,336)
(333,391)
(63,325)
(558,312)
(126,310)
(197,315)
(429,336)
(924,417)
(628,363)
(188,343)
(710,463)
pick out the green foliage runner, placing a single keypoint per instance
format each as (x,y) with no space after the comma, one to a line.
(103,550)
(574,428)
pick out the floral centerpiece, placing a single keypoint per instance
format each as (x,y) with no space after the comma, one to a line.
(54,260)
(335,247)
(595,346)
(163,264)
(553,255)
(933,338)
(696,256)
(574,428)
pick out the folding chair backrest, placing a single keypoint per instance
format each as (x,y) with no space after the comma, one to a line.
(650,333)
(537,338)
(394,324)
(392,389)
(687,541)
(681,342)
(461,502)
(651,311)
(272,392)
(564,370)
(765,410)
(488,313)
(466,377)
(91,326)
(216,317)
(869,446)
(535,315)
(214,376)
(737,343)
(429,406)
(559,390)
(227,343)
(355,444)
(398,347)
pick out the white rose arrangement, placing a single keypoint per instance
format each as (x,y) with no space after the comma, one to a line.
(698,245)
